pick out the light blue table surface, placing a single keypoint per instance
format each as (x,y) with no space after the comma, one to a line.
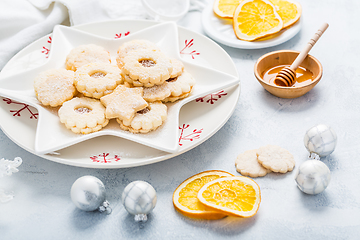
(42,208)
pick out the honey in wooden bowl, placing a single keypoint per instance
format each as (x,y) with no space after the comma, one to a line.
(308,73)
(303,76)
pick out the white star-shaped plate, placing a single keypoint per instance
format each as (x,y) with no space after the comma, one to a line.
(51,135)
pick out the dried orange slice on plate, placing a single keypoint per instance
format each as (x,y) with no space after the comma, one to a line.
(288,10)
(237,196)
(185,196)
(254,19)
(225,8)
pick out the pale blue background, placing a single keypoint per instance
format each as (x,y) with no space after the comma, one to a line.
(42,208)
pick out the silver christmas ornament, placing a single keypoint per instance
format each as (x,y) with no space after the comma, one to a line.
(320,139)
(88,194)
(313,176)
(139,199)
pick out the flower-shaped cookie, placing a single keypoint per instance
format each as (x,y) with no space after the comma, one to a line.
(97,79)
(54,86)
(180,87)
(146,120)
(247,164)
(83,115)
(276,158)
(85,54)
(146,67)
(157,92)
(133,45)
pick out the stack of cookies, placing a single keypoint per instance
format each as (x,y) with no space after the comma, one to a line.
(92,90)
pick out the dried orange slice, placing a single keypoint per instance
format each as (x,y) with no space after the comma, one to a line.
(254,19)
(225,8)
(185,196)
(237,196)
(288,10)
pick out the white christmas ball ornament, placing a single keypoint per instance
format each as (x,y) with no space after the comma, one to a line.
(139,199)
(320,139)
(313,176)
(88,194)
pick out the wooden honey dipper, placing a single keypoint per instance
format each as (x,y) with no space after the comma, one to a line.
(286,77)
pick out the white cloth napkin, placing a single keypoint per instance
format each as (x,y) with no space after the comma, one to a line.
(24,21)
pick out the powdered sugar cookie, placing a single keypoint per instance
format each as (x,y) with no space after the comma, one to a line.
(147,67)
(146,120)
(275,158)
(180,86)
(178,67)
(154,93)
(247,164)
(132,45)
(55,86)
(83,115)
(97,79)
(136,83)
(157,92)
(124,102)
(85,54)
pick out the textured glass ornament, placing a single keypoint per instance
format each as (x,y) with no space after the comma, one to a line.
(139,199)
(313,176)
(8,167)
(88,194)
(320,139)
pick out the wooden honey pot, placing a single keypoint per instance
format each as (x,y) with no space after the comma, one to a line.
(264,64)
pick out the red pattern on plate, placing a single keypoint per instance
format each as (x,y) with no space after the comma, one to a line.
(212,98)
(195,134)
(118,35)
(105,158)
(46,50)
(33,115)
(187,47)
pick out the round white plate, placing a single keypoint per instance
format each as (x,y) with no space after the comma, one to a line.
(198,120)
(221,30)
